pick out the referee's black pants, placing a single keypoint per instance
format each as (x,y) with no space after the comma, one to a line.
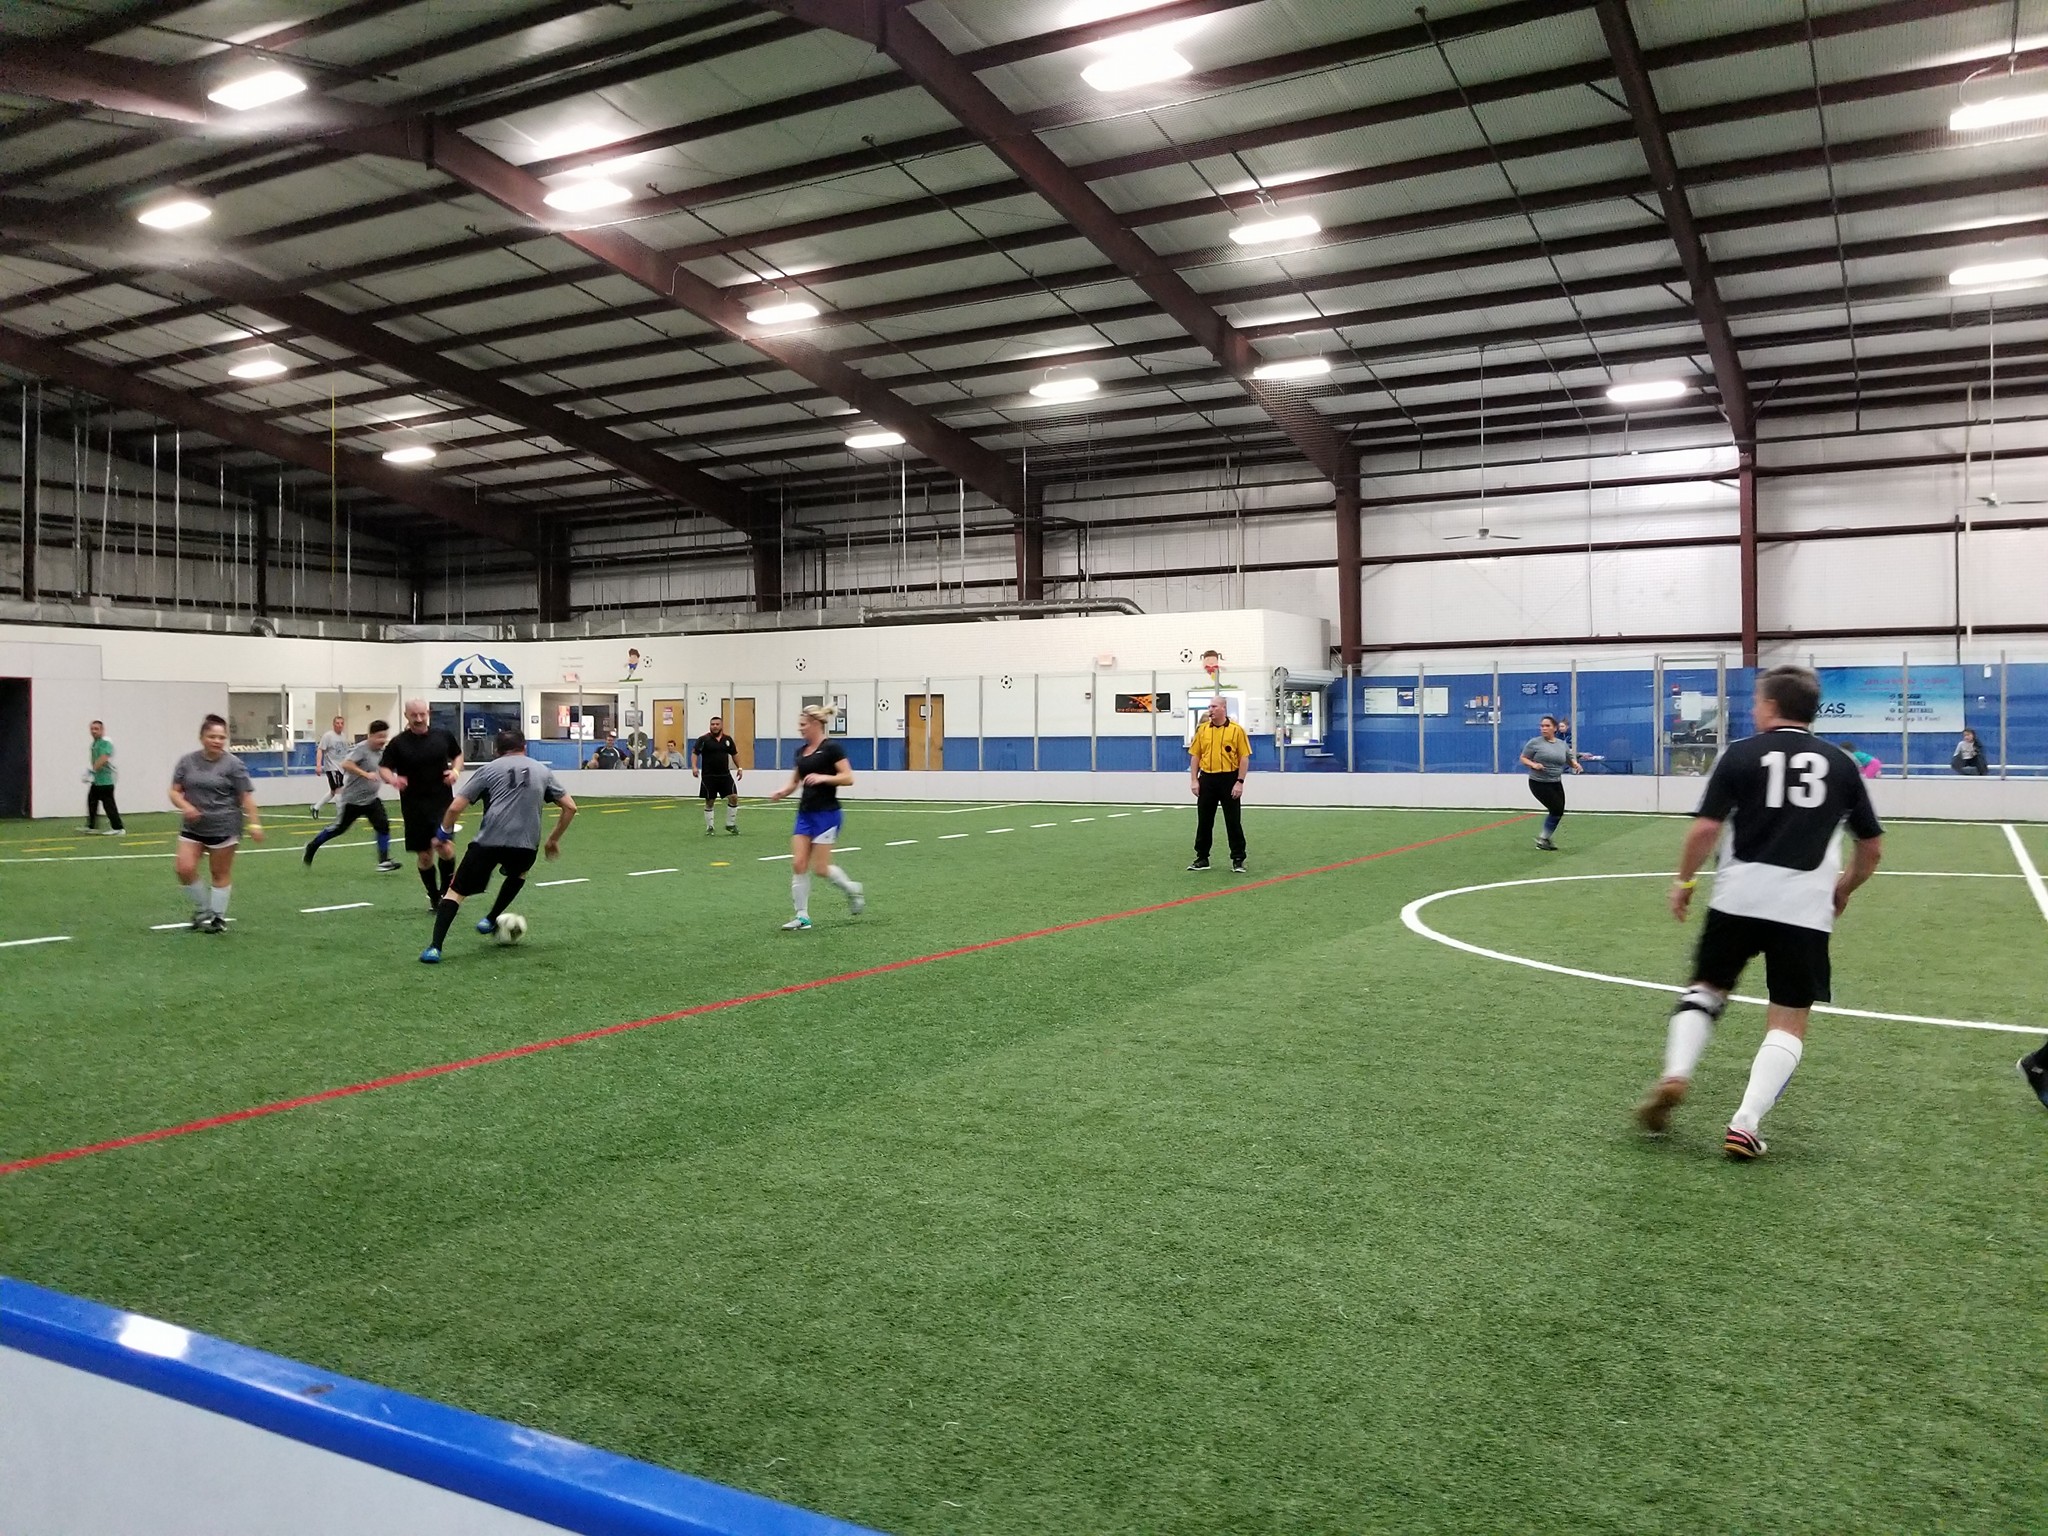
(1214,789)
(96,796)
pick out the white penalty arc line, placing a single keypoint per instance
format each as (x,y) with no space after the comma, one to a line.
(1411,918)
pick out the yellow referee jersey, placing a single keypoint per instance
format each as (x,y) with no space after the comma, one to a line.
(1220,748)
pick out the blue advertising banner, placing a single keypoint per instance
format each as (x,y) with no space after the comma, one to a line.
(1872,700)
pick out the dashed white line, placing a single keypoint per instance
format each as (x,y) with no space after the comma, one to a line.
(999,831)
(902,842)
(634,874)
(1152,810)
(346,906)
(1079,819)
(55,938)
(1118,815)
(1038,825)
(846,850)
(947,837)
(167,927)
(578,880)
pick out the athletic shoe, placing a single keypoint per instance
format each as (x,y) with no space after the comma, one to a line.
(857,900)
(1654,1113)
(430,956)
(2036,1079)
(797,925)
(1546,845)
(314,809)
(711,831)
(734,829)
(1237,866)
(199,921)
(387,865)
(1743,1146)
(1198,866)
(311,849)
(215,923)
(117,831)
(485,925)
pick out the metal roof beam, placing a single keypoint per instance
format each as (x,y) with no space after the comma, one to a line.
(1627,53)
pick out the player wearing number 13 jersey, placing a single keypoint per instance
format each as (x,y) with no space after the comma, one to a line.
(1775,806)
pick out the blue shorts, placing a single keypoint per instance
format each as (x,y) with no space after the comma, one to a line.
(818,826)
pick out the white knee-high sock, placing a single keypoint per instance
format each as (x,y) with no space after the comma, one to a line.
(1692,1026)
(842,879)
(732,815)
(199,893)
(219,896)
(1776,1059)
(707,817)
(800,893)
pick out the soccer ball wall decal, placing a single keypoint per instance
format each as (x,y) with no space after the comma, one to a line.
(511,929)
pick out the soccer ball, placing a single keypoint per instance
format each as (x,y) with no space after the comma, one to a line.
(511,928)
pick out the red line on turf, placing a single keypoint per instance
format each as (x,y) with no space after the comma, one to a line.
(418,1074)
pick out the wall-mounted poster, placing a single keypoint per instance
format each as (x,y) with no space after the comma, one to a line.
(1882,701)
(1144,703)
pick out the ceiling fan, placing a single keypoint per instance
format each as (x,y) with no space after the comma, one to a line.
(1483,534)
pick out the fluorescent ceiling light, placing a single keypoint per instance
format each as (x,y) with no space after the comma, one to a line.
(1293,368)
(1999,272)
(782,314)
(258,90)
(412,453)
(582,196)
(1077,386)
(1647,390)
(1139,64)
(1999,111)
(175,213)
(1269,231)
(577,140)
(260,366)
(874,440)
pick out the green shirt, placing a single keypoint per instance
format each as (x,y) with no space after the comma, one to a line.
(102,773)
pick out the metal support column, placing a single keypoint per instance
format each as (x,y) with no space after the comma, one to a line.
(31,485)
(1154,698)
(1905,714)
(2004,756)
(1034,722)
(1350,715)
(980,720)
(875,727)
(1094,688)
(1495,697)
(1421,752)
(1657,717)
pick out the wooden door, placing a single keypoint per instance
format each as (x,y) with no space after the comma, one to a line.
(739,725)
(924,731)
(670,731)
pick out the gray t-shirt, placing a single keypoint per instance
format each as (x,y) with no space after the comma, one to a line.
(511,789)
(1555,755)
(215,790)
(355,791)
(333,748)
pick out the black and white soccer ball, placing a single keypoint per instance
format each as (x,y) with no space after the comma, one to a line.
(511,929)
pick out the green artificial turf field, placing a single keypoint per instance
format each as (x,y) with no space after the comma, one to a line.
(1260,1213)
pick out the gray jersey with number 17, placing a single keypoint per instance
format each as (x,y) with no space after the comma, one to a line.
(512,789)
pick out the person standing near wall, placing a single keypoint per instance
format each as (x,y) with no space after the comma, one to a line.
(213,793)
(1547,755)
(715,759)
(422,762)
(1218,759)
(334,748)
(100,785)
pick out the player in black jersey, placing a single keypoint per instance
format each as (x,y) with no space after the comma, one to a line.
(1774,806)
(422,762)
(715,758)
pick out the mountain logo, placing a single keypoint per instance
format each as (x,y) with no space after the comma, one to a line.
(476,673)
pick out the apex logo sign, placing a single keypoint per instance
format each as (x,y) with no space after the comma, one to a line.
(476,673)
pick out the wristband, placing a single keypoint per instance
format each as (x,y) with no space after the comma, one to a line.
(1687,885)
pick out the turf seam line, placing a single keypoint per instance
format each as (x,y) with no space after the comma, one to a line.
(532,1048)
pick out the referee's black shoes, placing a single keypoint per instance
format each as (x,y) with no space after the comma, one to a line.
(1237,866)
(1197,866)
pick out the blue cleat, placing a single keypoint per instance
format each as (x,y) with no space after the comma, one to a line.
(485,925)
(430,956)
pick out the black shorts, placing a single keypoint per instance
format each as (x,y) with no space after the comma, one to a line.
(479,861)
(371,811)
(422,819)
(209,843)
(1797,972)
(720,787)
(1549,794)
(334,779)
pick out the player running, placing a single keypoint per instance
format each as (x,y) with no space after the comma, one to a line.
(334,747)
(212,791)
(511,788)
(821,771)
(422,762)
(717,756)
(360,791)
(1774,804)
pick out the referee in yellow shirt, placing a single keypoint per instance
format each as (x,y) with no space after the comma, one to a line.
(1218,760)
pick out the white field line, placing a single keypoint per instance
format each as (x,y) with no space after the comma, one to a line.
(1118,815)
(2027,869)
(902,842)
(1079,819)
(1412,920)
(243,849)
(634,874)
(947,837)
(168,927)
(1038,826)
(998,831)
(346,906)
(1947,874)
(845,850)
(579,880)
(770,858)
(55,938)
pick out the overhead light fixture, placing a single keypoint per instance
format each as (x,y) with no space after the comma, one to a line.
(1993,273)
(579,140)
(1648,390)
(1072,386)
(582,196)
(1999,111)
(875,440)
(1293,368)
(1272,231)
(1136,64)
(257,90)
(783,313)
(259,365)
(411,453)
(180,211)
